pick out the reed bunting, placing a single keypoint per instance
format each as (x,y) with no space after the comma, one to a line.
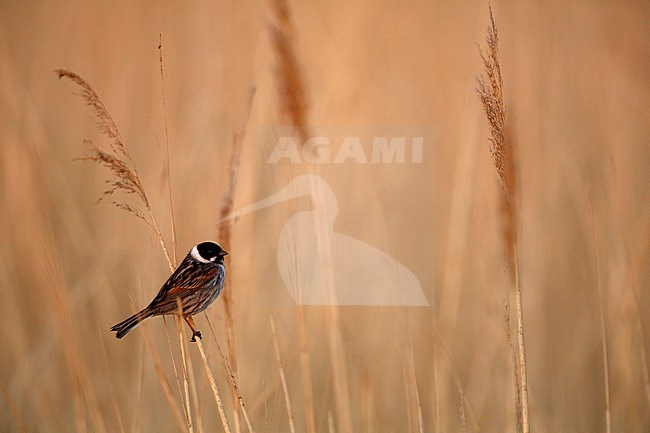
(195,284)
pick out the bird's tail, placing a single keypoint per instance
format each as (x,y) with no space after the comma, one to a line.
(127,325)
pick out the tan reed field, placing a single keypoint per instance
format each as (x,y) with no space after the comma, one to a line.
(527,230)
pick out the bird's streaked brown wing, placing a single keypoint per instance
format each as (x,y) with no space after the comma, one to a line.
(187,278)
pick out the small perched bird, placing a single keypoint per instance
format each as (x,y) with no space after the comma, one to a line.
(195,284)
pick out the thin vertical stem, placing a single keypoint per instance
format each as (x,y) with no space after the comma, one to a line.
(414,377)
(285,389)
(169,395)
(233,381)
(224,233)
(601,313)
(521,347)
(213,385)
(167,157)
(305,370)
(186,385)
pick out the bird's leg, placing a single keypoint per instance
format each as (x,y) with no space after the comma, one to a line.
(195,333)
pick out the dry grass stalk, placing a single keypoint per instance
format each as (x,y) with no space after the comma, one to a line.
(490,90)
(175,367)
(167,158)
(340,371)
(14,409)
(225,234)
(601,313)
(229,196)
(213,385)
(83,394)
(195,397)
(515,369)
(305,371)
(367,402)
(188,379)
(631,273)
(136,422)
(208,373)
(459,385)
(73,359)
(411,385)
(111,389)
(285,389)
(416,387)
(436,392)
(233,383)
(295,110)
(463,418)
(290,82)
(169,395)
(174,245)
(186,386)
(407,395)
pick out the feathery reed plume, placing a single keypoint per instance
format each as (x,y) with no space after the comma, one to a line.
(104,120)
(118,160)
(291,88)
(124,179)
(502,147)
(490,91)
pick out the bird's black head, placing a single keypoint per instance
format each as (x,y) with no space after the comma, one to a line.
(208,252)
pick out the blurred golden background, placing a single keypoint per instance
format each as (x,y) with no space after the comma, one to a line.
(576,80)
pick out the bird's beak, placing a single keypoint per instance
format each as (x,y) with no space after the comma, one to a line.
(223,253)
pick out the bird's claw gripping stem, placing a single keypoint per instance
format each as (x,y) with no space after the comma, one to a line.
(196,334)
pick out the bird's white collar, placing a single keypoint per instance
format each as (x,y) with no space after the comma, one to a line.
(195,254)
